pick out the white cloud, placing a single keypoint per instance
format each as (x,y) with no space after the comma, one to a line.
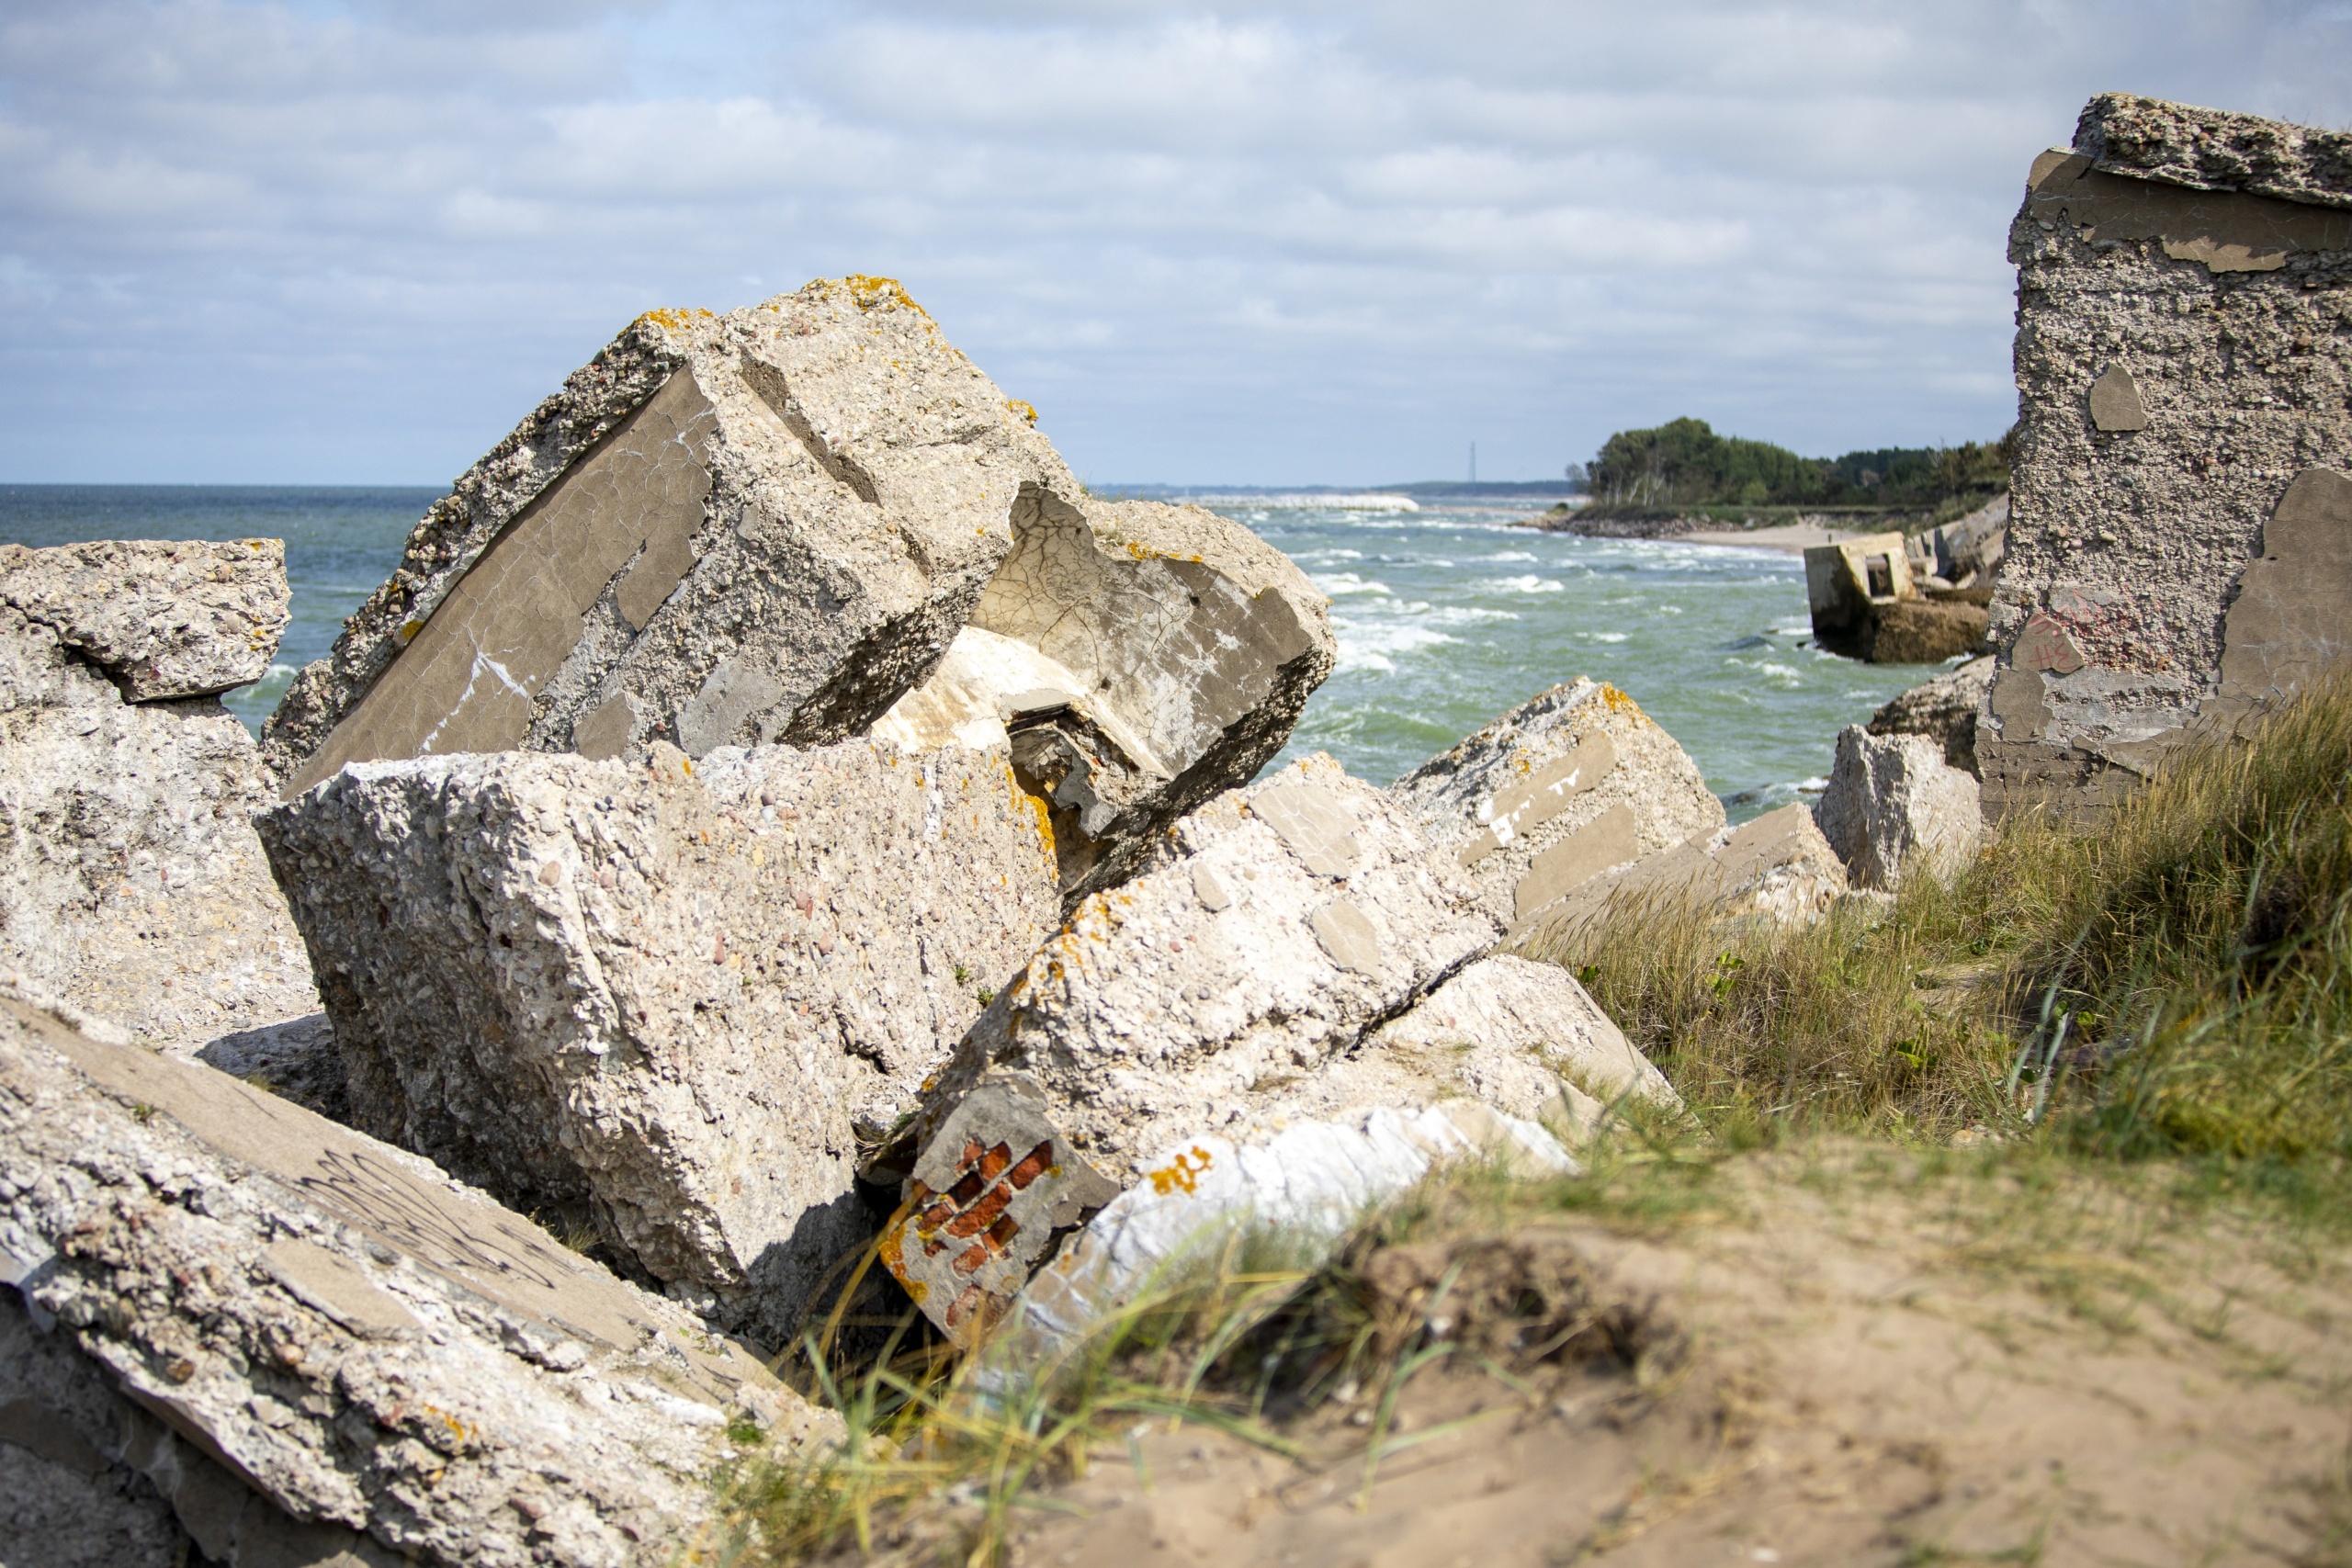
(1309,241)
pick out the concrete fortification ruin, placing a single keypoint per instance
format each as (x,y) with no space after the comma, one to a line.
(2180,545)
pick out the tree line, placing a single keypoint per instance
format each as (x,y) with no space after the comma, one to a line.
(1683,463)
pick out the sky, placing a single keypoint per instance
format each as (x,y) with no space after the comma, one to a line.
(355,242)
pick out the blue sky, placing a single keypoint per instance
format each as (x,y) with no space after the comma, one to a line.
(355,242)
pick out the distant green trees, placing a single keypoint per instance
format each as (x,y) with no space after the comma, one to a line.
(1683,463)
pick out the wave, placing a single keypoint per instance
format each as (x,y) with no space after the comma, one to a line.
(1528,583)
(1337,585)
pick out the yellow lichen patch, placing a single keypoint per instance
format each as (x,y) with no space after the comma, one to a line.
(410,628)
(1027,410)
(673,320)
(1618,702)
(869,293)
(1182,1175)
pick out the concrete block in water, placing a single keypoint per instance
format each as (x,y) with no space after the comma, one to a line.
(665,1001)
(372,1361)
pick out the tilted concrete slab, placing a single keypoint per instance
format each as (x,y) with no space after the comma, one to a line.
(1777,865)
(1208,996)
(766,525)
(664,1000)
(157,618)
(343,1330)
(2182,377)
(1554,793)
(1137,657)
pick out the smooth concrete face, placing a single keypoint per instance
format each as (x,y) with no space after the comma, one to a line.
(467,679)
(2292,616)
(1547,794)
(2225,231)
(1611,839)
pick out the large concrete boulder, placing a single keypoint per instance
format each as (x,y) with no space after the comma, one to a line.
(664,1000)
(1943,709)
(2177,557)
(157,618)
(1554,794)
(1138,659)
(766,525)
(130,879)
(322,1350)
(1893,804)
(1211,995)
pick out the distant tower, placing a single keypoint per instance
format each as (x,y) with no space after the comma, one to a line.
(1474,462)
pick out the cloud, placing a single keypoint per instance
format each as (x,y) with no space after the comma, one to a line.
(322,241)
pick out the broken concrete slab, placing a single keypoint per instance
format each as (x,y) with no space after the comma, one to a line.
(1777,865)
(130,879)
(1137,657)
(88,1479)
(2288,622)
(2195,257)
(664,1001)
(1963,554)
(156,618)
(1944,710)
(1274,927)
(760,526)
(1895,804)
(341,1330)
(1297,1191)
(1554,793)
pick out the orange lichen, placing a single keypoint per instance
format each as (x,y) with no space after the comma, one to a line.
(1182,1174)
(870,293)
(1025,410)
(1618,702)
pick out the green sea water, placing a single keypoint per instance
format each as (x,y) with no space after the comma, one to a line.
(1445,618)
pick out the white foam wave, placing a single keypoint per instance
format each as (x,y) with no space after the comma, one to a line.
(1605,636)
(1308,502)
(1378,647)
(1527,583)
(1336,585)
(1513,555)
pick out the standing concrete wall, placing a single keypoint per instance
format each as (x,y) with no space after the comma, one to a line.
(2180,541)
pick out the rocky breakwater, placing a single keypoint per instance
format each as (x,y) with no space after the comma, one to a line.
(2183,471)
(801,522)
(242,1333)
(129,880)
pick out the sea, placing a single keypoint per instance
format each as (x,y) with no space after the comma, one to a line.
(1446,616)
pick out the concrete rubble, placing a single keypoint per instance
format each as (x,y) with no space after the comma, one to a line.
(802,522)
(1895,804)
(1136,659)
(2176,558)
(1962,555)
(1554,794)
(662,1000)
(129,877)
(1216,993)
(1777,866)
(760,526)
(239,1326)
(1943,709)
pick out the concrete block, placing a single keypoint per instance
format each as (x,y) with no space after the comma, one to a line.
(665,1001)
(1554,794)
(133,881)
(1138,659)
(1944,710)
(157,619)
(1895,804)
(1207,996)
(1778,866)
(2182,376)
(762,527)
(322,1350)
